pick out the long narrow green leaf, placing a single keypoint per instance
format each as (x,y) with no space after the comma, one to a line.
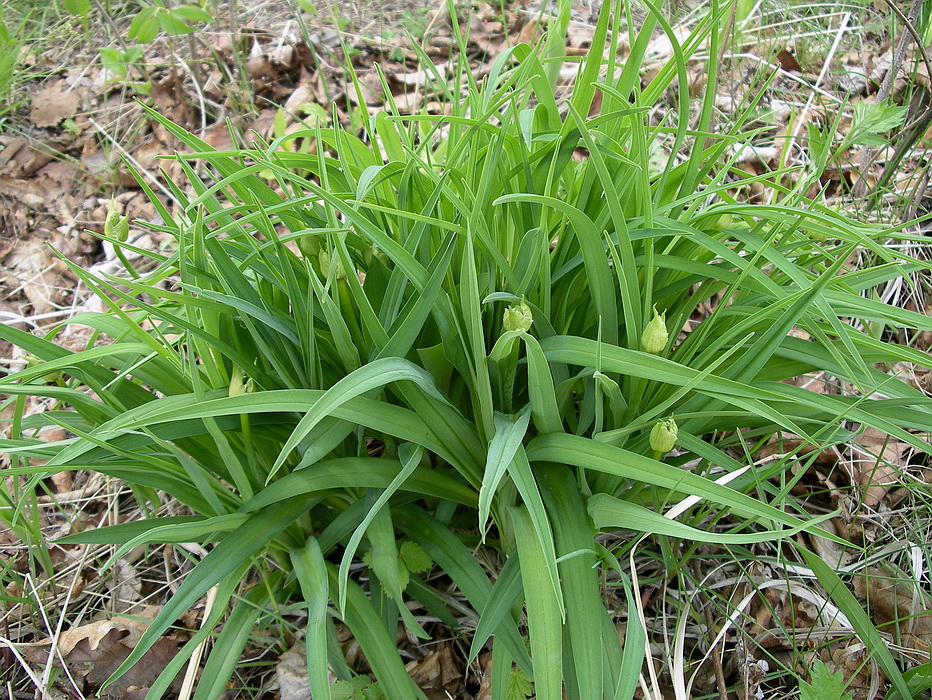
(458,562)
(573,535)
(374,375)
(509,432)
(580,452)
(376,643)
(311,570)
(543,610)
(227,648)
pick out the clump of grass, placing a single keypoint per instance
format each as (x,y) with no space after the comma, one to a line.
(456,331)
(20,25)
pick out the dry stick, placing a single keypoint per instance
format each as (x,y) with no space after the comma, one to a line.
(194,663)
(914,132)
(119,37)
(716,658)
(805,113)
(886,87)
(786,74)
(641,620)
(54,636)
(912,135)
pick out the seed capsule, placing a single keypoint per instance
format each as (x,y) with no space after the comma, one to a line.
(239,383)
(654,337)
(116,226)
(663,436)
(518,318)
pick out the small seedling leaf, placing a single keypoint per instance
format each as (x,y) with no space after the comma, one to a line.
(144,26)
(192,13)
(78,8)
(823,685)
(519,685)
(871,121)
(415,558)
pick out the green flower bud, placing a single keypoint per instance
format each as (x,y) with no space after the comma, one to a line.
(50,377)
(330,262)
(663,436)
(518,318)
(239,385)
(116,226)
(654,337)
(309,246)
(376,252)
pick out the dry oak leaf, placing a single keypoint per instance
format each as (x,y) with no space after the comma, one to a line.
(877,462)
(897,605)
(53,104)
(94,651)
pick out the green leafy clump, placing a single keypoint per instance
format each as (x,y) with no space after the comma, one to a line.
(359,688)
(519,685)
(402,347)
(824,685)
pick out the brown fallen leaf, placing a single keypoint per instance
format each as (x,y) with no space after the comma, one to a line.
(898,605)
(94,651)
(53,104)
(788,61)
(579,34)
(876,464)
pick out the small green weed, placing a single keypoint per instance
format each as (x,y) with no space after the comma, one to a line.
(823,684)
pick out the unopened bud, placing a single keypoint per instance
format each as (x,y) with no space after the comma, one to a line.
(375,252)
(654,337)
(331,263)
(116,226)
(518,318)
(48,378)
(663,436)
(239,385)
(309,246)
(724,221)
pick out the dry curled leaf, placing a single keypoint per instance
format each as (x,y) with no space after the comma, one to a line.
(52,105)
(876,464)
(895,601)
(94,651)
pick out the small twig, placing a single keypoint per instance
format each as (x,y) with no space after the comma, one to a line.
(886,87)
(919,127)
(54,636)
(906,142)
(911,28)
(196,82)
(120,40)
(786,74)
(4,642)
(190,675)
(136,164)
(805,113)
(720,681)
